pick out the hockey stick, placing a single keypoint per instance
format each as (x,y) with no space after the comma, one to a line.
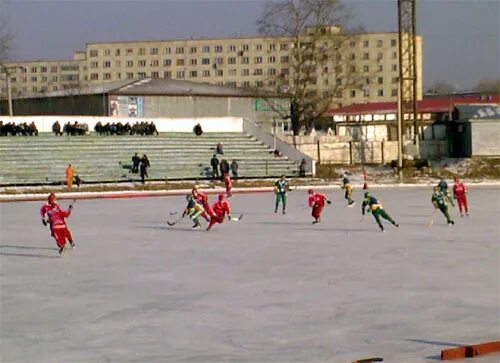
(173,213)
(369,360)
(431,222)
(72,204)
(176,221)
(236,219)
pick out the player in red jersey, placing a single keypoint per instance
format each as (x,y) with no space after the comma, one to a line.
(56,218)
(460,194)
(202,198)
(220,209)
(229,185)
(317,202)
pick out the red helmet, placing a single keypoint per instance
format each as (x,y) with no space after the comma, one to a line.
(221,197)
(310,191)
(455,178)
(51,198)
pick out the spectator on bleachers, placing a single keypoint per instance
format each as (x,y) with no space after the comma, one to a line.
(69,176)
(277,153)
(78,181)
(56,128)
(143,167)
(136,160)
(224,168)
(22,129)
(234,169)
(214,162)
(197,130)
(219,149)
(33,131)
(152,129)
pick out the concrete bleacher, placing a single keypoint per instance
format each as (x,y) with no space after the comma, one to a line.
(173,156)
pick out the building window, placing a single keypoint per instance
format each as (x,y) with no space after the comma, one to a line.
(395,80)
(284,46)
(218,49)
(107,75)
(107,52)
(117,52)
(380,43)
(206,49)
(394,42)
(206,73)
(258,47)
(167,50)
(43,69)
(93,53)
(129,63)
(380,92)
(33,79)
(380,80)
(231,60)
(94,64)
(53,69)
(44,79)
(245,47)
(284,59)
(34,88)
(271,83)
(142,51)
(272,59)
(245,72)
(179,50)
(129,51)
(231,48)
(205,61)
(394,93)
(155,75)
(154,63)
(34,69)
(193,74)
(353,93)
(272,47)
(193,61)
(257,60)
(106,64)
(94,76)
(179,62)
(54,78)
(366,56)
(141,74)
(366,68)
(167,74)
(352,44)
(130,75)
(259,84)
(271,71)
(257,72)
(394,55)
(179,74)
(245,60)
(219,73)
(353,56)
(153,51)
(245,84)
(366,44)
(380,68)
(118,75)
(54,88)
(167,62)
(219,60)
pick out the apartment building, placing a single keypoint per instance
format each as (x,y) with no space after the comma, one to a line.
(238,62)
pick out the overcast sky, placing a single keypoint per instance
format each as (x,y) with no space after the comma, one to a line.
(461,37)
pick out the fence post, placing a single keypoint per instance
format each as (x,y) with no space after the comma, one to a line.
(382,152)
(351,157)
(319,152)
(266,169)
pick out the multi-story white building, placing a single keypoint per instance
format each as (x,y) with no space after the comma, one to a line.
(238,62)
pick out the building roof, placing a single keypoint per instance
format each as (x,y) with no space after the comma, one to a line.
(476,112)
(159,87)
(433,104)
(174,87)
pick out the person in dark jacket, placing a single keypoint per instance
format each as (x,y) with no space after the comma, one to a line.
(303,168)
(224,168)
(234,169)
(144,165)
(215,166)
(136,160)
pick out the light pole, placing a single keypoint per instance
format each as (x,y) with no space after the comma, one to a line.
(400,115)
(7,71)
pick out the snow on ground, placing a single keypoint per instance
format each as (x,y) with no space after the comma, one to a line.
(270,288)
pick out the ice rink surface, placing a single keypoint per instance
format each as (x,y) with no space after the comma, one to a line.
(270,288)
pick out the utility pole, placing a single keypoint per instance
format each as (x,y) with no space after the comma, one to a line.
(7,71)
(408,66)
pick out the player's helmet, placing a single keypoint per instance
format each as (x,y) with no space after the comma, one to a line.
(52,198)
(455,178)
(435,189)
(195,187)
(311,191)
(221,197)
(367,194)
(189,197)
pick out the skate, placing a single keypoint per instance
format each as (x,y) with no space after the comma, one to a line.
(461,215)
(275,211)
(284,211)
(382,229)
(352,204)
(316,221)
(451,223)
(395,224)
(72,244)
(61,250)
(196,226)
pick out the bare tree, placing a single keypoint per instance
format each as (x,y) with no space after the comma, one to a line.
(318,33)
(5,39)
(441,87)
(490,86)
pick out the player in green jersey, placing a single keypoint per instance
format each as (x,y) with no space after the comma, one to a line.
(281,188)
(371,204)
(347,187)
(439,201)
